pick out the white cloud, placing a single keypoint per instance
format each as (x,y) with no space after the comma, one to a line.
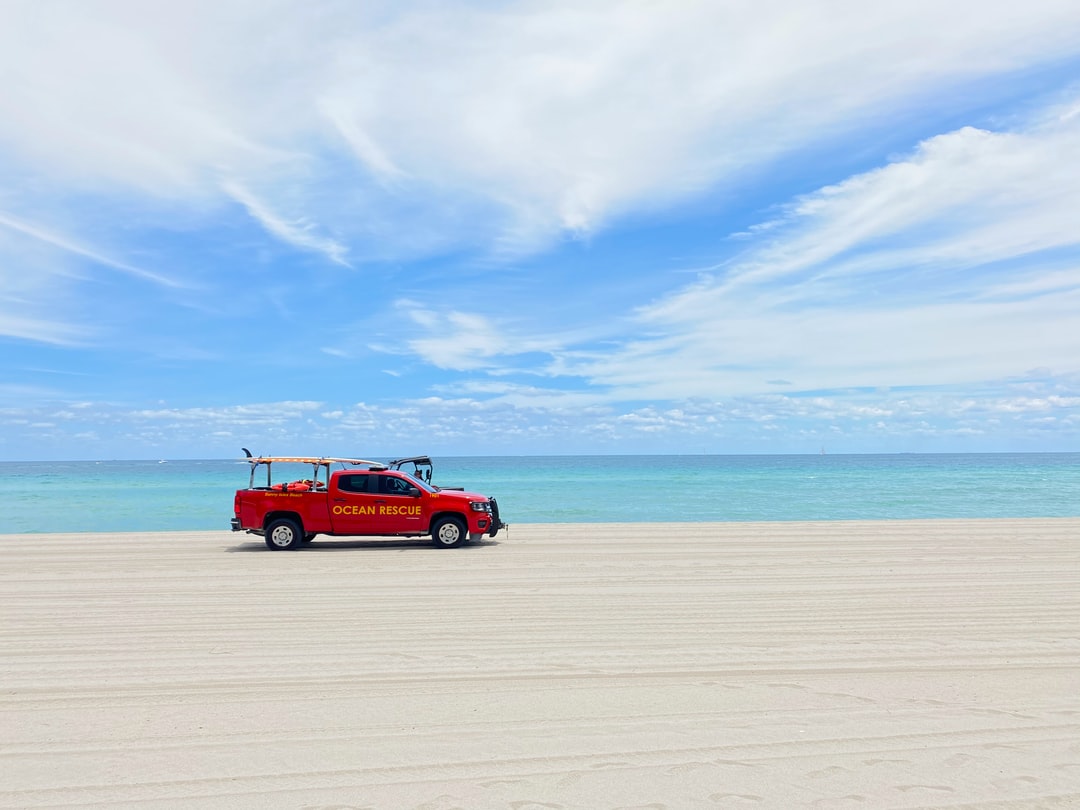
(459,340)
(964,198)
(71,246)
(370,154)
(299,233)
(1045,416)
(40,329)
(906,275)
(270,413)
(945,266)
(567,115)
(511,123)
(465,341)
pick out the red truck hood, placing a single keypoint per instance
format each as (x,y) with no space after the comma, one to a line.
(465,496)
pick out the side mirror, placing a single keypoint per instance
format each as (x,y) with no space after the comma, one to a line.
(414,492)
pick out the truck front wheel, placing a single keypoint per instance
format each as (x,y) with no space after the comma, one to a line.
(448,532)
(283,534)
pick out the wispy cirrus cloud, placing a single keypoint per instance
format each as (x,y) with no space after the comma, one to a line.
(964,199)
(466,341)
(957,262)
(505,127)
(960,261)
(73,247)
(299,233)
(40,271)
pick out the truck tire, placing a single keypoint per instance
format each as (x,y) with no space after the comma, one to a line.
(448,532)
(283,534)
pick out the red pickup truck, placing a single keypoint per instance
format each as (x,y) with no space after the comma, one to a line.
(359,498)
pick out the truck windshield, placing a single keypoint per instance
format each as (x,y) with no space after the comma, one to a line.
(424,485)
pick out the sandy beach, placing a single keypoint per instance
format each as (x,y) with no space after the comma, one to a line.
(913,664)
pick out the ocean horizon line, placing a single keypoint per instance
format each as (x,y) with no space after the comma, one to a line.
(376,456)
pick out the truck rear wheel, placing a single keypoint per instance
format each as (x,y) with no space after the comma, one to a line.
(283,534)
(448,532)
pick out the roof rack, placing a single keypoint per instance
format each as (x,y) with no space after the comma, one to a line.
(313,460)
(318,462)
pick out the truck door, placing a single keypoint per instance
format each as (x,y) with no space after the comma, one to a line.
(375,503)
(399,511)
(353,507)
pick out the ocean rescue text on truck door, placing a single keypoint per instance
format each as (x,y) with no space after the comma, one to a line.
(375,503)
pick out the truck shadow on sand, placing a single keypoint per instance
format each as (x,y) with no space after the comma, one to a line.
(417,543)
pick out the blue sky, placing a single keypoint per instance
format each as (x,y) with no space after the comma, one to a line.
(519,228)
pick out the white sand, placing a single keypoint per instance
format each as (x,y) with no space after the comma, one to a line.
(826,665)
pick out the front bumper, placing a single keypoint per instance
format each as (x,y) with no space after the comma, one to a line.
(496,522)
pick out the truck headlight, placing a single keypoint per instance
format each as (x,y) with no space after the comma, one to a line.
(477,506)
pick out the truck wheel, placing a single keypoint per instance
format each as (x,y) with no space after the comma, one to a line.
(448,532)
(283,534)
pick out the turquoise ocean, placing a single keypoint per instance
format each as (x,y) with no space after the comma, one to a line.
(119,496)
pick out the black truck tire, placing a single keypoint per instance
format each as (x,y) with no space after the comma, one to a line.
(283,534)
(448,532)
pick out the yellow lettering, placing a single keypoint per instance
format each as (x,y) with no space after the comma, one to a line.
(354,509)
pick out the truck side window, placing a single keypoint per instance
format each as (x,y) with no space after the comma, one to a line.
(354,483)
(389,485)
